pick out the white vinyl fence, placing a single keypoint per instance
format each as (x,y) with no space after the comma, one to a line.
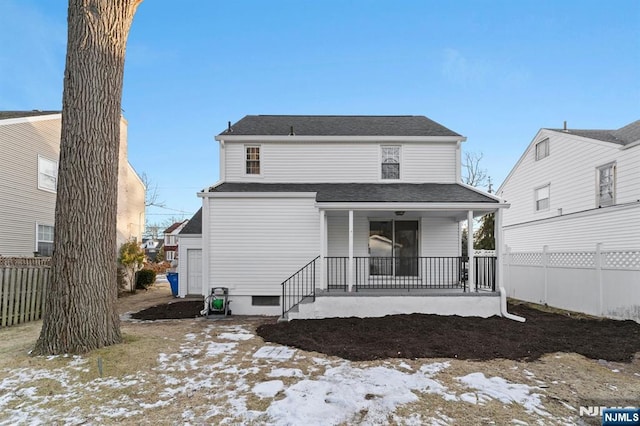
(599,282)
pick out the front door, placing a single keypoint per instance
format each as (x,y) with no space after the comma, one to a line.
(393,247)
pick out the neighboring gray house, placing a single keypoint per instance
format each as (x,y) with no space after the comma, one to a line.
(30,147)
(304,203)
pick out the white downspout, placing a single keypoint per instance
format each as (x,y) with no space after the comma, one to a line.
(497,234)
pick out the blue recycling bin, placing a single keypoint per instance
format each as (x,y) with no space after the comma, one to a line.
(172,277)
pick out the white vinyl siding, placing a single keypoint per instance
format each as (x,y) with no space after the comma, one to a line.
(257,243)
(47,174)
(617,227)
(571,173)
(340,162)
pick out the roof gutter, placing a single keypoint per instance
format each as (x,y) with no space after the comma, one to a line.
(297,138)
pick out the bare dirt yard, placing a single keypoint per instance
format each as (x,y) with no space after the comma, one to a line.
(199,371)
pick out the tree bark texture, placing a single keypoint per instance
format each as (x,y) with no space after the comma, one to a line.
(80,309)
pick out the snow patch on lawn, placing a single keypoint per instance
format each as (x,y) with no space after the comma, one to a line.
(286,372)
(268,389)
(216,348)
(502,390)
(278,353)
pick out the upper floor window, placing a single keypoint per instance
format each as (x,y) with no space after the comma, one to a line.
(47,174)
(607,185)
(252,160)
(390,162)
(542,198)
(542,149)
(44,240)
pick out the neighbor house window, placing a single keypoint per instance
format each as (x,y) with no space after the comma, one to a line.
(390,162)
(47,174)
(253,160)
(542,149)
(607,185)
(542,198)
(170,255)
(44,240)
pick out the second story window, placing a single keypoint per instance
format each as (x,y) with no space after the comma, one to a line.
(606,185)
(47,174)
(390,162)
(542,149)
(252,160)
(542,198)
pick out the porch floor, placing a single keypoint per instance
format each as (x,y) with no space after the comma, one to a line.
(418,292)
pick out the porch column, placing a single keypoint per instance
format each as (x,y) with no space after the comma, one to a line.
(350,270)
(323,251)
(497,236)
(470,269)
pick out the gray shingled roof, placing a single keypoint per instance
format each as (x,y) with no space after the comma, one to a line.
(622,136)
(194,226)
(368,192)
(19,114)
(338,125)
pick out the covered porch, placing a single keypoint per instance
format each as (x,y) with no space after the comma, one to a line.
(381,258)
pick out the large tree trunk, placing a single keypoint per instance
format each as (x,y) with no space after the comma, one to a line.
(80,310)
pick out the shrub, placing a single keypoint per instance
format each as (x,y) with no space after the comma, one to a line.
(146,277)
(131,258)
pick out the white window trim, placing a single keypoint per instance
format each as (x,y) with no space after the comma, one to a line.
(613,166)
(39,172)
(380,178)
(37,240)
(548,150)
(535,198)
(244,160)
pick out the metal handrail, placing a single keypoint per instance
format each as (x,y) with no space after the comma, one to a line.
(300,285)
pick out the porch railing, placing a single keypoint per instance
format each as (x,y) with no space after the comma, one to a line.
(485,273)
(410,273)
(299,286)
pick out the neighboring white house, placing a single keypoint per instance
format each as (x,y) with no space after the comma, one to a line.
(573,228)
(335,210)
(30,147)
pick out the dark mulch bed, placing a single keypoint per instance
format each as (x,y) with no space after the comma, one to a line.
(173,310)
(433,336)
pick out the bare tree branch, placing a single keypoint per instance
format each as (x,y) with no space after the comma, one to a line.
(151,194)
(474,174)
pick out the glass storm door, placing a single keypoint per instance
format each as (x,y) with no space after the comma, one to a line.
(393,247)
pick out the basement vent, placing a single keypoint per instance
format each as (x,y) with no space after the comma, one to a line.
(265,300)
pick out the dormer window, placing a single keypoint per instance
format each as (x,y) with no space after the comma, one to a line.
(252,160)
(607,185)
(542,149)
(390,162)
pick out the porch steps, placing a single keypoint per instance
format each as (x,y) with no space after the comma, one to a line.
(380,303)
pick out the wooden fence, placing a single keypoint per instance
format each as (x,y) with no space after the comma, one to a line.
(23,283)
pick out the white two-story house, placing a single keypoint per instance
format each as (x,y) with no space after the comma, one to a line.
(572,189)
(328,216)
(572,233)
(30,148)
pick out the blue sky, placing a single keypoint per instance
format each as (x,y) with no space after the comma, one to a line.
(494,71)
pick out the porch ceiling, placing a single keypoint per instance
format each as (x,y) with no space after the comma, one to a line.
(456,215)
